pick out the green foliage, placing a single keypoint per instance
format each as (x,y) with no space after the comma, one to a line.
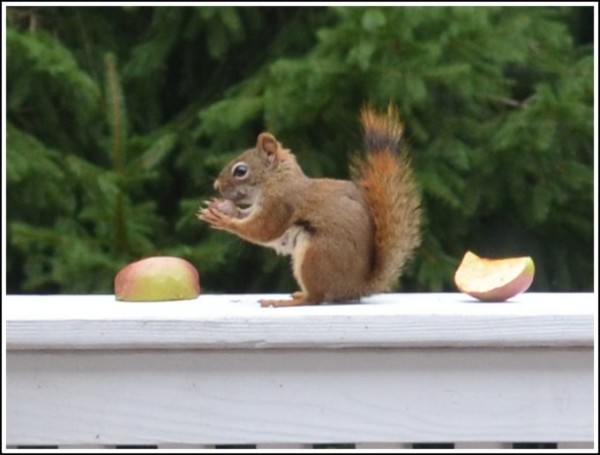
(119,118)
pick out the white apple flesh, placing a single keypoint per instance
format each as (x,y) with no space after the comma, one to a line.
(494,279)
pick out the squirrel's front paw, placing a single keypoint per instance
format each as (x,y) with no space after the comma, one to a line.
(218,213)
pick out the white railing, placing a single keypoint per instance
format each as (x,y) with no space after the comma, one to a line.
(391,372)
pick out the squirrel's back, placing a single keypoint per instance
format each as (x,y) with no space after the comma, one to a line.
(386,181)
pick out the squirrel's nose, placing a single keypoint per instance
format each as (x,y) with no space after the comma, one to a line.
(216,185)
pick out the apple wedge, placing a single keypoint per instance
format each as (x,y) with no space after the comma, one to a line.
(494,279)
(157,278)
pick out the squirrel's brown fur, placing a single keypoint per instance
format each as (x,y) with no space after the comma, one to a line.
(347,239)
(386,180)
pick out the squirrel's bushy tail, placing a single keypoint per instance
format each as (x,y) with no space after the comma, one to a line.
(386,181)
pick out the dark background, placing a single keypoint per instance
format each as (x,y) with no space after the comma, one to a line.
(119,118)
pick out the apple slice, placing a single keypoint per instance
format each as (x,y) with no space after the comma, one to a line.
(494,279)
(157,278)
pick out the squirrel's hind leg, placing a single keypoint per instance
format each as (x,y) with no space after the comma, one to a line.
(298,299)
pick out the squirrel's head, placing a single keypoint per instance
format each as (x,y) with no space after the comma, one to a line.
(245,178)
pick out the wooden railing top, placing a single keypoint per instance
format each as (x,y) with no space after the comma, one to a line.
(238,322)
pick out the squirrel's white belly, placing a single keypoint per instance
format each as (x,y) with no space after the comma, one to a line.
(289,241)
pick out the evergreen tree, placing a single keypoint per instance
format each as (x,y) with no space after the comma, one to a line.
(119,118)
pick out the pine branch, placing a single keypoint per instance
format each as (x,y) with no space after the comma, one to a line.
(117,121)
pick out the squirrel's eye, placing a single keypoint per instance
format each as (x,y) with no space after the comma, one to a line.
(240,170)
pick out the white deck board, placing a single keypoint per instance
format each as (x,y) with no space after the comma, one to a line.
(238,321)
(394,370)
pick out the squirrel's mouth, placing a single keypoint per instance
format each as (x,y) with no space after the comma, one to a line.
(234,195)
(243,198)
(243,208)
(241,201)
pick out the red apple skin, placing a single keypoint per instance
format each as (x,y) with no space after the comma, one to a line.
(502,293)
(484,290)
(157,278)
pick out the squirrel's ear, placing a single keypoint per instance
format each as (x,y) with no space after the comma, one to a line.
(267,145)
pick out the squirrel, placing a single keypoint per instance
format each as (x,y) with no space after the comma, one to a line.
(347,239)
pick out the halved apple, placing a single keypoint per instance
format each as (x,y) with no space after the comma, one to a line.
(494,279)
(157,278)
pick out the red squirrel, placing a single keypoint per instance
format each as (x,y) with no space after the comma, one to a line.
(347,239)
